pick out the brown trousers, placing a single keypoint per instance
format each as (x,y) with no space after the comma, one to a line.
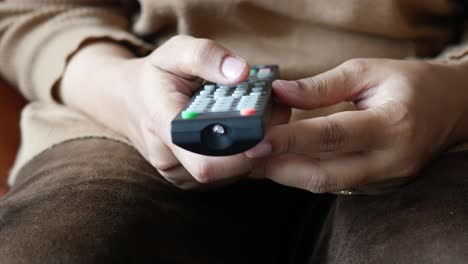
(98,201)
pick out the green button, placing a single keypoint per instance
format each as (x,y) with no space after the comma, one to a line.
(189,115)
(253,72)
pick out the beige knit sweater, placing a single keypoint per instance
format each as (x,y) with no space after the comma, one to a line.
(305,37)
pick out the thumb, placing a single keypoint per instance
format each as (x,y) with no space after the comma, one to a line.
(190,57)
(343,83)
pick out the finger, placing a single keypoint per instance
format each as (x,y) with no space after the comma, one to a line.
(160,155)
(213,169)
(203,168)
(190,57)
(350,131)
(180,177)
(320,176)
(343,83)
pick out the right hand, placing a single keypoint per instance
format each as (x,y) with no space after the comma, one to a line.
(148,93)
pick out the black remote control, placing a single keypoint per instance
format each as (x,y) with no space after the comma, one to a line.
(222,120)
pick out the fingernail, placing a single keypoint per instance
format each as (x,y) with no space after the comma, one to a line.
(262,150)
(232,67)
(281,84)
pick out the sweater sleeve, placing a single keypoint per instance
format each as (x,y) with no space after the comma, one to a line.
(457,53)
(37,37)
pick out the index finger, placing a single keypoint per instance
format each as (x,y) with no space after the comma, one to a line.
(350,131)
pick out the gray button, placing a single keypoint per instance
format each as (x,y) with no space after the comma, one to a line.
(210,87)
(202,99)
(257,89)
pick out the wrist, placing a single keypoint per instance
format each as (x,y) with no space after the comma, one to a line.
(90,82)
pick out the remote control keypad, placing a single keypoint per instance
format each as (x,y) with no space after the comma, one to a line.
(246,98)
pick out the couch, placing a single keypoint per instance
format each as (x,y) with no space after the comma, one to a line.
(10,106)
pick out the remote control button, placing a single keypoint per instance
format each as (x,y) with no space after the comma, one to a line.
(257,89)
(205,92)
(260,84)
(196,110)
(220,109)
(248,111)
(209,87)
(218,96)
(264,73)
(202,99)
(225,99)
(253,72)
(189,114)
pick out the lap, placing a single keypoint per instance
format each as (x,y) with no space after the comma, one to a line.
(95,200)
(426,221)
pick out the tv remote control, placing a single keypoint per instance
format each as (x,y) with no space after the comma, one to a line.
(222,120)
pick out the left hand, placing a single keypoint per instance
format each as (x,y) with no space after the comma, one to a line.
(407,112)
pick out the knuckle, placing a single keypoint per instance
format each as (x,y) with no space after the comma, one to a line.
(396,112)
(179,182)
(161,164)
(319,182)
(204,172)
(204,51)
(356,65)
(316,87)
(166,46)
(151,124)
(333,136)
(403,168)
(409,170)
(354,69)
(176,39)
(397,122)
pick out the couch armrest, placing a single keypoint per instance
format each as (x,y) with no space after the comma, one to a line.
(10,107)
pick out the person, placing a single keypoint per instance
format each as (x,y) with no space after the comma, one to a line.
(382,86)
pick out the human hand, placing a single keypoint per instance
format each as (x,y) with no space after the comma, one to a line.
(147,93)
(407,112)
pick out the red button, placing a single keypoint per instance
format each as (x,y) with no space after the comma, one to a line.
(248,111)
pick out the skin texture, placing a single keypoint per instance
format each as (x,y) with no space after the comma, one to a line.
(139,97)
(406,113)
